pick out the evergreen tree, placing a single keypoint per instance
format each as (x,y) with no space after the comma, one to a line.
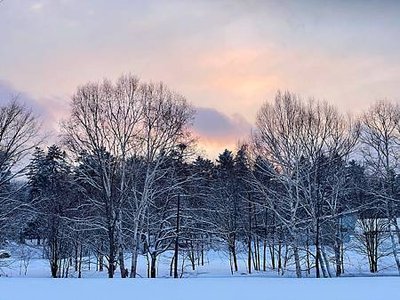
(51,191)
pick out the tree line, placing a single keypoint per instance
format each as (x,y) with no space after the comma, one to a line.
(125,181)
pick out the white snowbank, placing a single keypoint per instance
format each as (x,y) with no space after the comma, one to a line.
(200,288)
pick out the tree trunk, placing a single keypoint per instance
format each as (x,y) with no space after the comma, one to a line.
(171,266)
(67,269)
(153,267)
(317,251)
(198,253)
(202,254)
(249,254)
(232,248)
(279,257)
(265,255)
(110,270)
(80,262)
(337,248)
(338,257)
(230,261)
(76,256)
(54,269)
(192,256)
(297,261)
(258,254)
(54,265)
(101,262)
(120,245)
(308,256)
(176,254)
(134,262)
(326,262)
(249,239)
(121,260)
(272,254)
(112,250)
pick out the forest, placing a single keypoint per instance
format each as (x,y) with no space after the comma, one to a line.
(125,180)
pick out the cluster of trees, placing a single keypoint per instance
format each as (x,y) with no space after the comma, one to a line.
(125,182)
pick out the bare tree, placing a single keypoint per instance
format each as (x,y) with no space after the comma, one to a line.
(165,125)
(293,135)
(18,136)
(380,146)
(104,123)
(371,235)
(116,123)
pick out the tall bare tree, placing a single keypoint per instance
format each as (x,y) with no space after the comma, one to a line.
(116,123)
(293,135)
(165,126)
(18,136)
(104,122)
(380,146)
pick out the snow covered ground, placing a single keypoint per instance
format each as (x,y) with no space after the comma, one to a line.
(216,266)
(212,281)
(201,288)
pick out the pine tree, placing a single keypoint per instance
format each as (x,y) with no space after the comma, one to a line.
(51,192)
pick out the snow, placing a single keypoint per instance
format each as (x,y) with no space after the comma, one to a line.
(200,288)
(216,266)
(212,281)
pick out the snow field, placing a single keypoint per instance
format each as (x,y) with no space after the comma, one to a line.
(201,288)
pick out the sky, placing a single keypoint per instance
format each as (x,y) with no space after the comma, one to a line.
(225,57)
